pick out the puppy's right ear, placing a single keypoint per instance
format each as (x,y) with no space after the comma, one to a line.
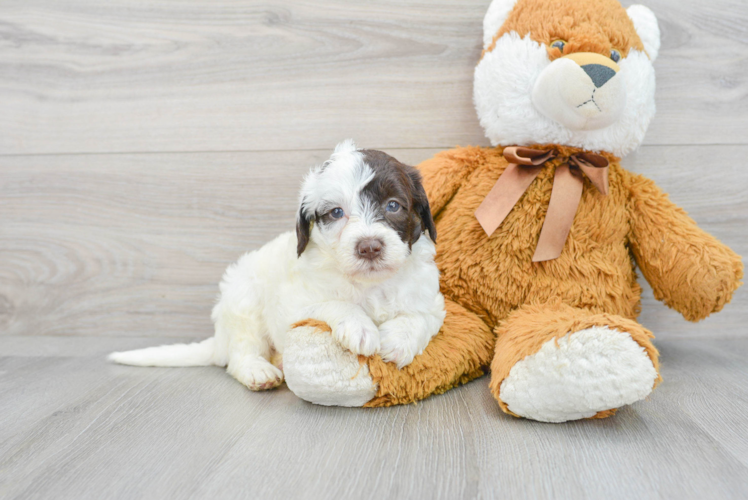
(303,229)
(421,204)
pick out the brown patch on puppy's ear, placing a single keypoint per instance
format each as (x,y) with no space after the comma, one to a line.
(421,205)
(303,229)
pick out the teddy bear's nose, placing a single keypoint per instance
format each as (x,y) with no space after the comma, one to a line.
(598,73)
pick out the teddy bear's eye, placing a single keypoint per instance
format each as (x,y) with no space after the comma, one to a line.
(558,44)
(615,55)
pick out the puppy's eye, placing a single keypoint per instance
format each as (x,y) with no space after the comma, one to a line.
(337,213)
(558,44)
(615,55)
(393,206)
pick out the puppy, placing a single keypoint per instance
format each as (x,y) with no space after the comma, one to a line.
(361,260)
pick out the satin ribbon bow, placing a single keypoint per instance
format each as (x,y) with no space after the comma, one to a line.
(524,165)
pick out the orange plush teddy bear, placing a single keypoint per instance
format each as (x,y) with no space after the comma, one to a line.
(539,236)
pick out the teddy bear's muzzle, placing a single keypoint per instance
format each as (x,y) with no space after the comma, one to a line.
(581,91)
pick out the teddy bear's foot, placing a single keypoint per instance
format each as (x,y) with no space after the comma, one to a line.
(579,375)
(319,370)
(571,365)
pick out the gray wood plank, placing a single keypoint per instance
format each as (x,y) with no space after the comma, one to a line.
(101,252)
(134,245)
(61,346)
(80,428)
(82,76)
(717,402)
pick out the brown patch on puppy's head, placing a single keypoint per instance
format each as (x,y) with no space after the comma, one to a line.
(398,198)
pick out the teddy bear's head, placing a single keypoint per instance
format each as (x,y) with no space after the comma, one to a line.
(572,72)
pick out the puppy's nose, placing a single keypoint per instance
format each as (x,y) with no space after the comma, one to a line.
(369,248)
(598,73)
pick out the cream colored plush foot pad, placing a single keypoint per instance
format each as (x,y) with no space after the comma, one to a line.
(592,370)
(319,370)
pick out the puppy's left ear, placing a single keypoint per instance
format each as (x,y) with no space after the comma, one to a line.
(303,229)
(421,204)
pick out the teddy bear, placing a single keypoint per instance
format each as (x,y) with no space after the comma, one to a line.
(540,235)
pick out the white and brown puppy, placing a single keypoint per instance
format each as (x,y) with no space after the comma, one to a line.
(359,261)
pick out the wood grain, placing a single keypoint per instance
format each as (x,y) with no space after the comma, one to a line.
(79,428)
(144,145)
(82,76)
(134,245)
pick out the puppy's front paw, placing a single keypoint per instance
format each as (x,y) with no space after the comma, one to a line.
(358,334)
(399,342)
(397,349)
(256,373)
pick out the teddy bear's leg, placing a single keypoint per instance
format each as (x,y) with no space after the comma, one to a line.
(456,355)
(555,363)
(319,370)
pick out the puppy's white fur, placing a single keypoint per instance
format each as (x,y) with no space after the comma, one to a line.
(391,305)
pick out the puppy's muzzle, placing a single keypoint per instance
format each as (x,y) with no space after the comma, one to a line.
(581,91)
(370,249)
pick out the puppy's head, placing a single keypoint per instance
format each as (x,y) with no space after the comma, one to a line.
(365,210)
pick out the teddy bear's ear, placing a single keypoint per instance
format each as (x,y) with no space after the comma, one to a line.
(495,17)
(646,26)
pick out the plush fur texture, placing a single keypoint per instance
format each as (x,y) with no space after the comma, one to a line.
(554,362)
(494,19)
(459,353)
(560,336)
(527,92)
(585,25)
(318,371)
(595,369)
(359,262)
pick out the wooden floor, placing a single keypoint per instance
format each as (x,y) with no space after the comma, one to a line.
(144,145)
(75,427)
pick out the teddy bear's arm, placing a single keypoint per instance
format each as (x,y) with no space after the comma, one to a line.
(444,173)
(689,270)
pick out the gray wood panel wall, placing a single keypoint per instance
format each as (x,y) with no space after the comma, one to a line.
(144,145)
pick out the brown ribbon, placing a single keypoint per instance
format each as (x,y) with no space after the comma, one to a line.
(524,165)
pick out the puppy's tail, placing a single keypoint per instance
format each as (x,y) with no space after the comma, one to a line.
(195,354)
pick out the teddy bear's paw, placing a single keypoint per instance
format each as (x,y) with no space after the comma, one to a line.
(319,370)
(579,375)
(255,373)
